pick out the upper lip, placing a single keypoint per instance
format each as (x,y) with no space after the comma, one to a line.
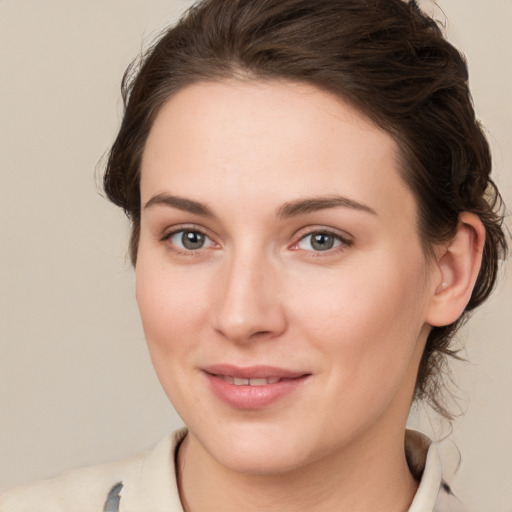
(253,372)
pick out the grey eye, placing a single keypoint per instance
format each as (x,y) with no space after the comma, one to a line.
(190,240)
(319,242)
(322,242)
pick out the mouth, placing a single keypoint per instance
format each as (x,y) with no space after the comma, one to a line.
(253,387)
(248,382)
(259,375)
(262,381)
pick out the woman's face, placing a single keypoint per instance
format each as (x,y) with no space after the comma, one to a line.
(280,276)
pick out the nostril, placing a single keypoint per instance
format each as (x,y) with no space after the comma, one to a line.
(261,334)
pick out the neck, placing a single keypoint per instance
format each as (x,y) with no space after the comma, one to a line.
(369,474)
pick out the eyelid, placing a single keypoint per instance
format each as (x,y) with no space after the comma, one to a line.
(176,228)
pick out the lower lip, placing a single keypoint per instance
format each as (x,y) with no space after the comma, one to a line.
(252,397)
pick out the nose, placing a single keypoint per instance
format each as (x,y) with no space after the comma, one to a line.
(248,304)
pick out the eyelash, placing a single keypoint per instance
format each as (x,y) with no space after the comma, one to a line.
(343,242)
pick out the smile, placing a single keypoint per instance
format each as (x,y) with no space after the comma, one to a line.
(248,382)
(255,387)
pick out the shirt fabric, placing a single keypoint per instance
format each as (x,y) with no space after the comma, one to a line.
(147,483)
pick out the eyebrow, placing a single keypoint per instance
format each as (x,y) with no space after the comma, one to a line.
(180,203)
(288,209)
(303,206)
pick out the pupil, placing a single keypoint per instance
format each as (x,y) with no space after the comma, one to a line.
(322,242)
(192,240)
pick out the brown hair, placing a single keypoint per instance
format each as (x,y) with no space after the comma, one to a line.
(387,59)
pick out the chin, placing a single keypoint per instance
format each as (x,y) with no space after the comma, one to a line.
(258,460)
(257,449)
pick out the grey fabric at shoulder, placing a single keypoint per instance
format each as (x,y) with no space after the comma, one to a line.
(82,490)
(113,498)
(143,482)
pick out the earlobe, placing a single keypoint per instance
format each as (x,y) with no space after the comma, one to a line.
(459,263)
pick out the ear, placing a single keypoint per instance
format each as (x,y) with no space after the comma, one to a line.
(458,263)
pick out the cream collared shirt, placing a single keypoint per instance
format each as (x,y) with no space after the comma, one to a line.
(147,483)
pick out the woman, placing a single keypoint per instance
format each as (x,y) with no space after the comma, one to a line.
(312,220)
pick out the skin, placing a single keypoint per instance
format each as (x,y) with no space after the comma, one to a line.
(354,317)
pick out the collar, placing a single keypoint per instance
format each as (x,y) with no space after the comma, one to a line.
(425,465)
(155,486)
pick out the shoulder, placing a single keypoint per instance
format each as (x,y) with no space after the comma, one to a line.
(433,493)
(87,489)
(83,489)
(447,501)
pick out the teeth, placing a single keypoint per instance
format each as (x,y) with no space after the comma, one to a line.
(249,382)
(258,382)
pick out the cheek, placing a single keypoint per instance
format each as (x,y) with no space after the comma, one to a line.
(172,308)
(171,303)
(367,318)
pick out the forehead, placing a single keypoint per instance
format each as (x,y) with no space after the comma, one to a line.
(266,140)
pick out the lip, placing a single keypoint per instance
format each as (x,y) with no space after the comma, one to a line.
(253,372)
(252,397)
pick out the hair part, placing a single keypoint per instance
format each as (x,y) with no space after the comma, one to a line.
(388,60)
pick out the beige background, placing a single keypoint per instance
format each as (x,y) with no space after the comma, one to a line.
(76,385)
